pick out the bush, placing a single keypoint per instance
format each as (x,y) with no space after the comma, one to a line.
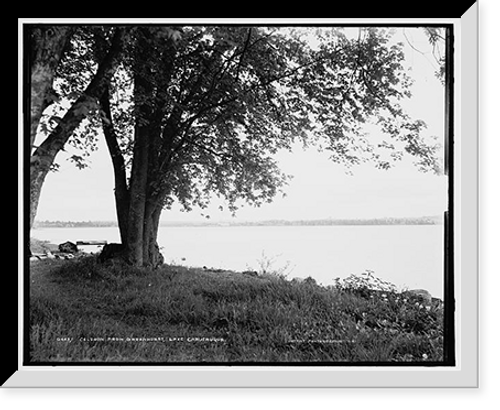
(367,281)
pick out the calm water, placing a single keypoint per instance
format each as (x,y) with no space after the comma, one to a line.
(408,256)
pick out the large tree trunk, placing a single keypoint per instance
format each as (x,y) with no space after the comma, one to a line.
(46,48)
(43,157)
(144,212)
(151,250)
(47,45)
(122,194)
(139,203)
(39,168)
(138,188)
(138,210)
(139,231)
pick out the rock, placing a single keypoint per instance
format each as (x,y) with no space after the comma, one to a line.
(213,270)
(68,247)
(310,281)
(437,302)
(306,281)
(110,251)
(251,273)
(422,294)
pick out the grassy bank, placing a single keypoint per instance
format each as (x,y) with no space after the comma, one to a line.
(81,310)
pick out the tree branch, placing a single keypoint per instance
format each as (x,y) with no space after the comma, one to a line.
(122,194)
(225,66)
(245,47)
(189,139)
(77,112)
(47,47)
(418,51)
(211,151)
(112,142)
(263,84)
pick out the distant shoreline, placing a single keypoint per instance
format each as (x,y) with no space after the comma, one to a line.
(425,220)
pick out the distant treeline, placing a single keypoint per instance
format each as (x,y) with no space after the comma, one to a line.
(73,224)
(430,220)
(425,220)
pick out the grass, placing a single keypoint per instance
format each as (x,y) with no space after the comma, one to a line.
(84,311)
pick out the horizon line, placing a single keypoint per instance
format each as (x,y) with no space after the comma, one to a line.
(424,218)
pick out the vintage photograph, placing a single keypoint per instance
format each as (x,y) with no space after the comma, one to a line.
(228,194)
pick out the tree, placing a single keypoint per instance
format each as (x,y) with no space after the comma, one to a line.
(47,47)
(61,57)
(208,107)
(436,38)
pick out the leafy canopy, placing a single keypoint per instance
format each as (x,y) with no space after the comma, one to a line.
(220,101)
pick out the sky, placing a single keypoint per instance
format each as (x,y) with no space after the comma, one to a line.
(319,189)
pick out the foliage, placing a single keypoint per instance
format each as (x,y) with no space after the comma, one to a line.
(178,314)
(365,282)
(220,101)
(75,71)
(215,104)
(436,36)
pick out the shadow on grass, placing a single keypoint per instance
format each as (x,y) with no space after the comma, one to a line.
(82,310)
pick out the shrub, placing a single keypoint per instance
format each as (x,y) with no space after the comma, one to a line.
(268,266)
(367,281)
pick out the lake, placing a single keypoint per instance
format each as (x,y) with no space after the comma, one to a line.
(410,256)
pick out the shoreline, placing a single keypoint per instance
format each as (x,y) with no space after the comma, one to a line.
(51,251)
(386,221)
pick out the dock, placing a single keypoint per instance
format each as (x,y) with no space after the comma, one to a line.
(95,243)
